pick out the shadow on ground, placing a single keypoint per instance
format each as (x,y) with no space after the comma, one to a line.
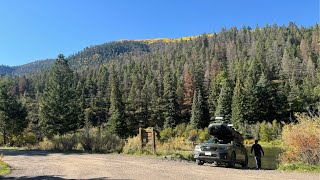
(35,152)
(239,167)
(46,177)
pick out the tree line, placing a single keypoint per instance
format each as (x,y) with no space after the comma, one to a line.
(244,75)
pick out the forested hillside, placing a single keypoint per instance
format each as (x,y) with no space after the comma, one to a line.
(90,56)
(245,75)
(5,69)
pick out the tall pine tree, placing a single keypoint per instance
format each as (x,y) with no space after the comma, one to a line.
(12,115)
(117,124)
(170,101)
(58,110)
(197,120)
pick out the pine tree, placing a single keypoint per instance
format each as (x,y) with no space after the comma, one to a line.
(170,101)
(197,120)
(155,116)
(12,115)
(224,101)
(145,103)
(58,109)
(237,111)
(117,124)
(264,99)
(213,97)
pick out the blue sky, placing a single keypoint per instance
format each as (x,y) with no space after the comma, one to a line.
(36,29)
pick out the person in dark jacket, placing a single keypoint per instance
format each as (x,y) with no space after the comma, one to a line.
(257,153)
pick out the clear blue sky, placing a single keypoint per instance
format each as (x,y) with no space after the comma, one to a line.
(36,29)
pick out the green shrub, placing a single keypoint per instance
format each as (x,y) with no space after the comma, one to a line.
(268,131)
(106,142)
(299,167)
(87,139)
(166,134)
(65,142)
(30,139)
(133,146)
(180,129)
(46,144)
(203,135)
(193,135)
(187,131)
(4,168)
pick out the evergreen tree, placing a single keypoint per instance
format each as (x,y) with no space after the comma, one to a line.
(224,101)
(213,97)
(170,101)
(265,101)
(237,111)
(145,104)
(155,116)
(12,115)
(58,109)
(133,105)
(197,120)
(117,124)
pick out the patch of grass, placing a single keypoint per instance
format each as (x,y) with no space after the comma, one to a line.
(273,143)
(11,148)
(4,169)
(182,155)
(299,167)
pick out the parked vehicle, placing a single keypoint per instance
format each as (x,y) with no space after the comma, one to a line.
(225,147)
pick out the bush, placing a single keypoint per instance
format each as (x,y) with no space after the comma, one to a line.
(65,142)
(30,139)
(193,135)
(87,139)
(302,141)
(133,146)
(268,131)
(265,133)
(99,140)
(203,135)
(166,134)
(180,129)
(106,142)
(299,167)
(46,144)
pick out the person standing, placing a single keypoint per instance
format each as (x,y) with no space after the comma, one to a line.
(257,153)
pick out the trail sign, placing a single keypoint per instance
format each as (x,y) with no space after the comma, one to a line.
(146,136)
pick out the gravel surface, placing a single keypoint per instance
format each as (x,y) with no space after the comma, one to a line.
(49,165)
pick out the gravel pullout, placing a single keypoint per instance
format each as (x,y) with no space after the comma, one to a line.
(49,165)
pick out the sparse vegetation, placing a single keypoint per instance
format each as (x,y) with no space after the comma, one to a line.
(4,168)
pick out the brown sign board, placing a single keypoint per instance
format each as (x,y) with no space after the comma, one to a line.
(148,136)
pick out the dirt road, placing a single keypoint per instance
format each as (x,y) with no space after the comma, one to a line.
(48,165)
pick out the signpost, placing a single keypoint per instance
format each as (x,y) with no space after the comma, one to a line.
(146,136)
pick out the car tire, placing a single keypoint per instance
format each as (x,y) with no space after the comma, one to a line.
(199,162)
(245,163)
(232,162)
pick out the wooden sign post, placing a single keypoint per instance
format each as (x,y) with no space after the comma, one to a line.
(146,136)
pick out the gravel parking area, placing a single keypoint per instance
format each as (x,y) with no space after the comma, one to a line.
(49,165)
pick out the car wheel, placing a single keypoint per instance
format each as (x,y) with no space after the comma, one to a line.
(245,163)
(199,162)
(232,160)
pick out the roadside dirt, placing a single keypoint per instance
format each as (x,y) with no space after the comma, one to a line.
(49,165)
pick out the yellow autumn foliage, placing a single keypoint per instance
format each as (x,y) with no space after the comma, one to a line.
(171,40)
